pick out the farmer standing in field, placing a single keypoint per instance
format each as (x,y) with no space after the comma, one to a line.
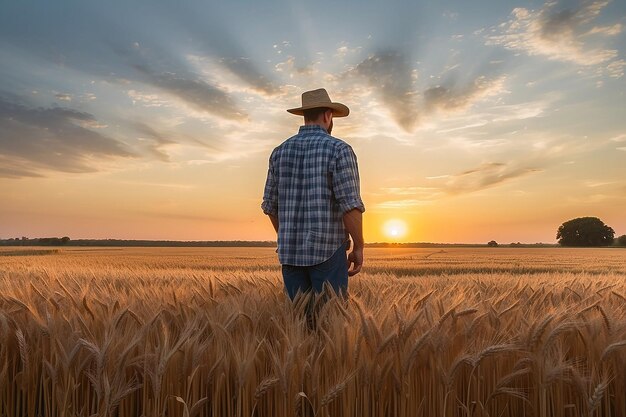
(312,198)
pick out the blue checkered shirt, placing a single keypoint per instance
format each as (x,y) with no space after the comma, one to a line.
(312,181)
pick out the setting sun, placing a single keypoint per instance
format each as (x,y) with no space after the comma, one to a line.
(395,228)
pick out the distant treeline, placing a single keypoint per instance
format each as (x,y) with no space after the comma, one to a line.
(41,241)
(456,245)
(66,241)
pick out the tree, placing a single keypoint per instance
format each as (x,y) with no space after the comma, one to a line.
(492,243)
(621,241)
(585,231)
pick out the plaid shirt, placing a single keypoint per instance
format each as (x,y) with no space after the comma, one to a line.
(313,179)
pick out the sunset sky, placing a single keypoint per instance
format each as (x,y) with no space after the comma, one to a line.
(471,121)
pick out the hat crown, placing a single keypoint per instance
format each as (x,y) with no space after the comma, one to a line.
(319,96)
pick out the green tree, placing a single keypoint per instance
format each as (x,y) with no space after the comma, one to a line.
(585,231)
(492,243)
(621,241)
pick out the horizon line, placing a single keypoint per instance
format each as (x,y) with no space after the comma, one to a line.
(73,242)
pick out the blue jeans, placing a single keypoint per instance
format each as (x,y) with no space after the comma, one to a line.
(334,271)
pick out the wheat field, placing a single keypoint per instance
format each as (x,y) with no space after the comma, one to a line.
(209,332)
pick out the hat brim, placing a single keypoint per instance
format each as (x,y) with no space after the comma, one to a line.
(339,110)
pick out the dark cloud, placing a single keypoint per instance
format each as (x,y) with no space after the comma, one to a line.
(390,73)
(484,176)
(559,19)
(53,138)
(453,97)
(218,39)
(444,98)
(157,140)
(199,33)
(195,92)
(392,77)
(156,38)
(245,69)
(157,67)
(153,140)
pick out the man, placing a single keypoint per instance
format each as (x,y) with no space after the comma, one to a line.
(312,197)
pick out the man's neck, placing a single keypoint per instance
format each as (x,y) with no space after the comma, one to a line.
(316,124)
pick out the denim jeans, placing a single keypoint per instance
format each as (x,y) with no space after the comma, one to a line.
(334,271)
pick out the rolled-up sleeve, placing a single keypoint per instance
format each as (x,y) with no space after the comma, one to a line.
(346,183)
(270,195)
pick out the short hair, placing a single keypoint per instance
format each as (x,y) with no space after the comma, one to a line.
(311,115)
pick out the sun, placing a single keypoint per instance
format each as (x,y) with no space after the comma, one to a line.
(395,228)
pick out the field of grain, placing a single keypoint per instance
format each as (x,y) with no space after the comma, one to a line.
(209,332)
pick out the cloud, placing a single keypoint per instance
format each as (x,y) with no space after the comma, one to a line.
(414,197)
(245,69)
(157,141)
(559,32)
(195,92)
(12,168)
(147,100)
(164,142)
(290,68)
(217,38)
(594,183)
(616,68)
(454,99)
(63,96)
(612,30)
(619,139)
(36,139)
(390,73)
(484,176)
(345,50)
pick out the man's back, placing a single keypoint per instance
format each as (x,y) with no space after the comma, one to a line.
(312,181)
(313,200)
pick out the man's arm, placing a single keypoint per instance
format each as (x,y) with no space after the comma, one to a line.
(270,196)
(353,221)
(346,188)
(274,220)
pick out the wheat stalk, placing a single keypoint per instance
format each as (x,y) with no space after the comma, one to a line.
(612,348)
(332,395)
(264,387)
(596,397)
(539,331)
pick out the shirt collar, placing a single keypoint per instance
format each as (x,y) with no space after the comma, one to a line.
(311,129)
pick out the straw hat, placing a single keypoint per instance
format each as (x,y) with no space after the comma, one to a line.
(319,98)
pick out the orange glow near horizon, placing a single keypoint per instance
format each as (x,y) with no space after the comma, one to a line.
(395,229)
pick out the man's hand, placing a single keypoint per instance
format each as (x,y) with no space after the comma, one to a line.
(355,258)
(353,220)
